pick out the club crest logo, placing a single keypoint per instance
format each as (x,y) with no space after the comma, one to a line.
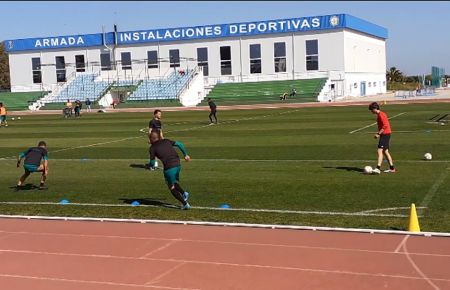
(10,44)
(334,21)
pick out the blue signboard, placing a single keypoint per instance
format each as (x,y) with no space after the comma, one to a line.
(291,25)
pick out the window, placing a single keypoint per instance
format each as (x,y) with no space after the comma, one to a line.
(384,83)
(202,59)
(152,59)
(79,63)
(255,58)
(225,60)
(374,84)
(36,68)
(60,69)
(279,53)
(312,55)
(105,61)
(174,55)
(126,60)
(370,84)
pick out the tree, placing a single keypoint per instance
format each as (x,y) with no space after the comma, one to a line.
(4,68)
(394,75)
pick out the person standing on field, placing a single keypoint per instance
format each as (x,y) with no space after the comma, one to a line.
(88,105)
(384,136)
(3,114)
(213,111)
(155,125)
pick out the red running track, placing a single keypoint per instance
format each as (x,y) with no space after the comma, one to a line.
(74,255)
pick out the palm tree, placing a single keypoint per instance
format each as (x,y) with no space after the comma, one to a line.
(394,75)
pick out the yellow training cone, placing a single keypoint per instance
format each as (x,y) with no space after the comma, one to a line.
(413,220)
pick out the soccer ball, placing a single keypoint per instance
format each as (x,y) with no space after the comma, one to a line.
(368,170)
(12,119)
(18,118)
(156,163)
(427,156)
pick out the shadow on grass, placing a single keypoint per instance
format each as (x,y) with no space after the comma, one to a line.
(347,168)
(25,187)
(149,201)
(139,166)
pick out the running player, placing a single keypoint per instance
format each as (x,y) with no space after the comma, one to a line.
(213,108)
(3,114)
(384,134)
(33,158)
(164,151)
(155,125)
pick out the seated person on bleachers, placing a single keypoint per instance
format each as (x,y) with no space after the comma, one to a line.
(284,96)
(293,93)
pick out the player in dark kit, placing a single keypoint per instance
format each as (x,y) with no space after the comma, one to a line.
(33,158)
(163,149)
(213,108)
(384,134)
(155,125)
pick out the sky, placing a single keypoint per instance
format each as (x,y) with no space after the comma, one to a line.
(419,32)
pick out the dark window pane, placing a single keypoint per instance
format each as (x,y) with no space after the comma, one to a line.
(312,62)
(61,76)
(280,64)
(60,64)
(36,63)
(279,49)
(225,67)
(255,66)
(105,61)
(312,47)
(174,56)
(79,63)
(202,54)
(126,60)
(152,59)
(225,53)
(37,77)
(255,51)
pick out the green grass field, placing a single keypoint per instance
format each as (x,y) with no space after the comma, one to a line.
(299,160)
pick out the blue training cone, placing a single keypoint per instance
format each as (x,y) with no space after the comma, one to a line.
(225,206)
(64,201)
(135,203)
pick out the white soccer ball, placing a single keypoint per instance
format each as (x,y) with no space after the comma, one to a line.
(18,118)
(368,170)
(12,119)
(156,163)
(428,156)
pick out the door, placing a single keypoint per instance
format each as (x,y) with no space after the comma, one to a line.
(363,88)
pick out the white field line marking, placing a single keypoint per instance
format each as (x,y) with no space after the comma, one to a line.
(208,242)
(225,224)
(158,278)
(93,282)
(213,209)
(365,127)
(411,261)
(413,131)
(400,246)
(230,264)
(434,188)
(168,244)
(388,209)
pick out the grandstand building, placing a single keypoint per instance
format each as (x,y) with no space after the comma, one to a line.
(348,53)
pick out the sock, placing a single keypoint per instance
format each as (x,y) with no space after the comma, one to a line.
(378,167)
(178,187)
(391,167)
(178,195)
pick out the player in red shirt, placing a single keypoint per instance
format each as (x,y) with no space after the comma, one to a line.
(384,134)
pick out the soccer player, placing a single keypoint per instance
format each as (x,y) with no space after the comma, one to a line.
(88,105)
(33,158)
(384,136)
(213,108)
(3,114)
(155,125)
(164,151)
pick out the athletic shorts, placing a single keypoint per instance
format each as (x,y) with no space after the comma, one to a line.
(384,141)
(3,118)
(31,168)
(172,175)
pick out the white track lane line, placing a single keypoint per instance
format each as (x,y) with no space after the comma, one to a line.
(365,127)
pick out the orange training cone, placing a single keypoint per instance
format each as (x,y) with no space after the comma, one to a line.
(413,220)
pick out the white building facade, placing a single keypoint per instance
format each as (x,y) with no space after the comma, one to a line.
(348,51)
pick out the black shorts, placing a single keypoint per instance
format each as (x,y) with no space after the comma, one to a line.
(384,141)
